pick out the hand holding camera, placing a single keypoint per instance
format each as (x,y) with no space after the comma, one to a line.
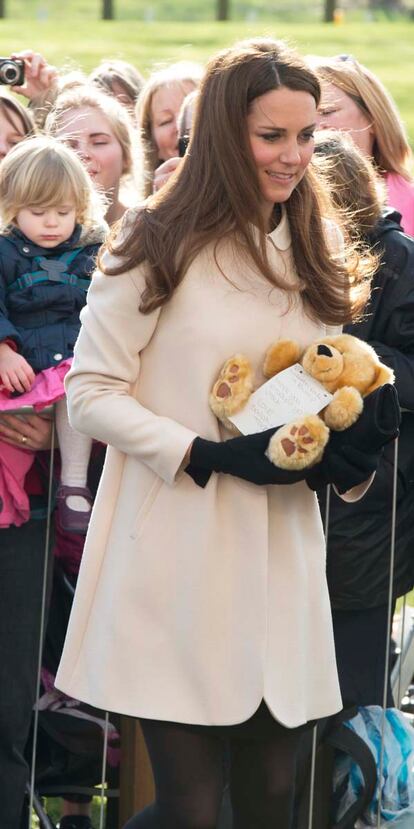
(37,76)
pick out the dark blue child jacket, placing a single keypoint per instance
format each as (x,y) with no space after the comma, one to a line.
(42,292)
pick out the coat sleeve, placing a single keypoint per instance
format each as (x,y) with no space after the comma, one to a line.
(395,345)
(403,366)
(393,336)
(7,329)
(105,369)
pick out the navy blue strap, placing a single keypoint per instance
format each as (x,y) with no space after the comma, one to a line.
(52,270)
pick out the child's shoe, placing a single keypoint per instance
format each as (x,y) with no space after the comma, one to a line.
(72,520)
(75,822)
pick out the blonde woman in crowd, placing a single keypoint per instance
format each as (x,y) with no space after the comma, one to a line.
(120,79)
(16,123)
(157,112)
(184,123)
(355,100)
(98,128)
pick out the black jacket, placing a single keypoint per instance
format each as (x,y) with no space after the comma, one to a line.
(359,535)
(42,318)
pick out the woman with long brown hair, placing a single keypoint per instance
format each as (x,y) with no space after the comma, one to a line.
(200,550)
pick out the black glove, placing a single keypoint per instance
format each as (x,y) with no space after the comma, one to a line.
(243,457)
(377,425)
(353,455)
(344,467)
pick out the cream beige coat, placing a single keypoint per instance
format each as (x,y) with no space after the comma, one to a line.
(192,604)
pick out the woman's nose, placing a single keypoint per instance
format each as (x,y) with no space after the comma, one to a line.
(290,154)
(84,153)
(323,122)
(174,133)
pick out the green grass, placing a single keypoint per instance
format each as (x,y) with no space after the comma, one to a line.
(186,10)
(410,600)
(192,10)
(386,47)
(53,807)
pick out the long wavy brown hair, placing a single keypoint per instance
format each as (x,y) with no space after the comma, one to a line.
(357,189)
(216,194)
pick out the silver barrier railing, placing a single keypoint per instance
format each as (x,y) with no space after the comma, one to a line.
(42,623)
(389,623)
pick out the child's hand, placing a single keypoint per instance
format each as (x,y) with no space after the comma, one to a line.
(15,372)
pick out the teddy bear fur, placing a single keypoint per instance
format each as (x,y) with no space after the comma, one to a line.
(346,366)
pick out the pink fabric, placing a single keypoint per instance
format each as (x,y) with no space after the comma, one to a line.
(54,700)
(14,464)
(47,388)
(401,196)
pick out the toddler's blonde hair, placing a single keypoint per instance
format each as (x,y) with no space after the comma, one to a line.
(43,171)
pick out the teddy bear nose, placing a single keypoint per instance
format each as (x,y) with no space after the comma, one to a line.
(324,351)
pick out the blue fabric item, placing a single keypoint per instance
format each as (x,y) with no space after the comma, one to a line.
(52,270)
(397,781)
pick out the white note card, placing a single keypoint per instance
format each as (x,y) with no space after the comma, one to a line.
(290,394)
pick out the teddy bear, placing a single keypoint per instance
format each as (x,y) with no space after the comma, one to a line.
(346,366)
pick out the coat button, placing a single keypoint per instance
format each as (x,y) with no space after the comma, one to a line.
(57,356)
(25,249)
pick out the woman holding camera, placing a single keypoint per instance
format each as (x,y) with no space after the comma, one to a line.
(184,613)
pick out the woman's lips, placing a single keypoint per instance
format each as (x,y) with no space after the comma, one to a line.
(280,176)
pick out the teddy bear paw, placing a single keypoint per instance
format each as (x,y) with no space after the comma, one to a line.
(300,444)
(232,388)
(344,409)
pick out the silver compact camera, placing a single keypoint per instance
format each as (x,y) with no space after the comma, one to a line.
(11,72)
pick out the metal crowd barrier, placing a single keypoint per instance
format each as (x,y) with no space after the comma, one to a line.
(136,786)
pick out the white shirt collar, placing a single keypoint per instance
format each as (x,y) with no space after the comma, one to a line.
(280,236)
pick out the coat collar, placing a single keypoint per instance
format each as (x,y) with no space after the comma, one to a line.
(390,220)
(280,236)
(27,248)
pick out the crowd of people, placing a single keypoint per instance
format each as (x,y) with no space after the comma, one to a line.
(151,228)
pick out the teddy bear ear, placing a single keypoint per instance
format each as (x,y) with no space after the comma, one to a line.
(281,355)
(384,375)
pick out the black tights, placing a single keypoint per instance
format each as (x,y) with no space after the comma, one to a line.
(188,767)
